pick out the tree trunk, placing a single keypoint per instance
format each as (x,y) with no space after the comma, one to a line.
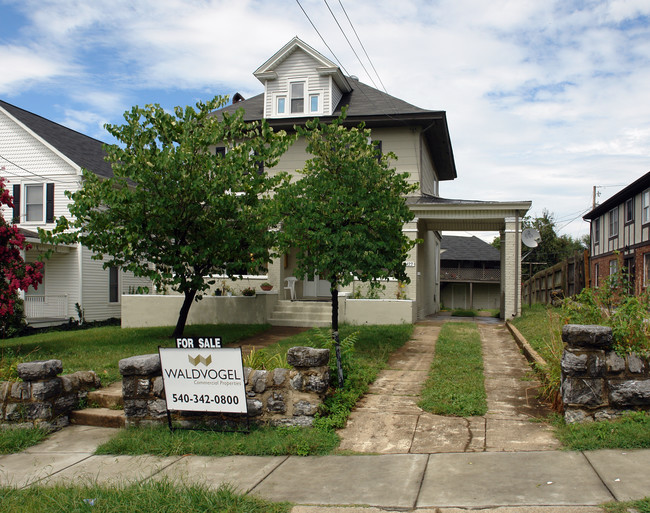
(335,332)
(185,310)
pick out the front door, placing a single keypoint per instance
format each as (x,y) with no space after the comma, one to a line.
(315,286)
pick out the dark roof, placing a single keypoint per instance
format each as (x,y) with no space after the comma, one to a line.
(376,109)
(467,248)
(84,151)
(630,191)
(427,199)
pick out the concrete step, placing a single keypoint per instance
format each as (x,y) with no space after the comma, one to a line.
(301,313)
(107,397)
(305,323)
(100,417)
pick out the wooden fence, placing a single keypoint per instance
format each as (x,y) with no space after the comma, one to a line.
(564,279)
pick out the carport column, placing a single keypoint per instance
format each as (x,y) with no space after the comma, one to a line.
(511,268)
(411,231)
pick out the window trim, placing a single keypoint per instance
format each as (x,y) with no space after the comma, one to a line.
(646,269)
(317,97)
(278,98)
(292,83)
(596,275)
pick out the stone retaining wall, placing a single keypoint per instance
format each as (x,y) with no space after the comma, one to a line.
(597,383)
(43,399)
(279,397)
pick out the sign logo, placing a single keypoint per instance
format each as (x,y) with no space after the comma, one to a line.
(200,359)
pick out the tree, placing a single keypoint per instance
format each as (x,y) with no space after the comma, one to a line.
(176,211)
(345,214)
(15,274)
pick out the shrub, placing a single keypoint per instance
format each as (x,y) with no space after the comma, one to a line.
(611,304)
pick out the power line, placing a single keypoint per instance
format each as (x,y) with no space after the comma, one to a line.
(322,38)
(363,47)
(47,179)
(350,44)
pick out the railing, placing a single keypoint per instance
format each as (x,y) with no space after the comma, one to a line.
(39,307)
(469,274)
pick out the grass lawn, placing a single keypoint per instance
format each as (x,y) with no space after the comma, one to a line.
(162,497)
(456,385)
(100,349)
(15,440)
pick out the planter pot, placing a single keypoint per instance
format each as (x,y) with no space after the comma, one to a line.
(266,287)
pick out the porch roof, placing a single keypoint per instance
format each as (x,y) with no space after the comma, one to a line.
(440,214)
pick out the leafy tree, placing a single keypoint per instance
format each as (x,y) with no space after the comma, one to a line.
(345,214)
(176,211)
(15,274)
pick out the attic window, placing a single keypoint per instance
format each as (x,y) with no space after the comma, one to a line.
(297,97)
(281,105)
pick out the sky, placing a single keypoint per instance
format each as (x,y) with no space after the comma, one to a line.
(545,99)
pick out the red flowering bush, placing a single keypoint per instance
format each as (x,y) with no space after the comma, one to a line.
(15,274)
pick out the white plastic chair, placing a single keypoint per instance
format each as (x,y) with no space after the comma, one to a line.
(290,285)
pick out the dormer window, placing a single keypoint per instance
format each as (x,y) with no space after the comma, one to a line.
(314,103)
(281,105)
(297,97)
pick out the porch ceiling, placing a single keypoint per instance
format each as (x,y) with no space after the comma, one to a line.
(440,214)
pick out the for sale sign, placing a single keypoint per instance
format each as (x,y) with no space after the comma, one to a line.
(210,380)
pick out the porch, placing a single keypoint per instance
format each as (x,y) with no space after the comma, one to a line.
(46,310)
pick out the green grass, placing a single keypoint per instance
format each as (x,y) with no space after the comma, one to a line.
(461,312)
(261,441)
(541,327)
(16,440)
(101,349)
(161,496)
(632,431)
(456,385)
(641,506)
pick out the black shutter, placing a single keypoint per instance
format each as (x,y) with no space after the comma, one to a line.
(16,218)
(49,205)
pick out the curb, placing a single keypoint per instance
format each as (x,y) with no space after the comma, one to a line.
(531,355)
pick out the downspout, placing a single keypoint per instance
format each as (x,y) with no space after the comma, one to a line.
(80,257)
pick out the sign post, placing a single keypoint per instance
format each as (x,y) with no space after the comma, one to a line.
(203,380)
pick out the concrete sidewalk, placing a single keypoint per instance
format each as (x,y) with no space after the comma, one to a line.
(543,481)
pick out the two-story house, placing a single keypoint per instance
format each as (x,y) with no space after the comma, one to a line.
(41,160)
(470,273)
(299,84)
(620,235)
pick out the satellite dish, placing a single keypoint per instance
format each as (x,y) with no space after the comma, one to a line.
(530,237)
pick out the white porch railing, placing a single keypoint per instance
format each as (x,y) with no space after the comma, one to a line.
(39,307)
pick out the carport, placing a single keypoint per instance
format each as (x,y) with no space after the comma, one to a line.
(434,215)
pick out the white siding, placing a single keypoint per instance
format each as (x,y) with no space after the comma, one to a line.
(95,300)
(298,66)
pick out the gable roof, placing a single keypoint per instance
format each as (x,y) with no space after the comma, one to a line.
(376,109)
(630,191)
(325,66)
(455,247)
(84,151)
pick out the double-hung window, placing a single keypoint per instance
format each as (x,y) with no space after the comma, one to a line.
(646,270)
(595,235)
(629,210)
(34,203)
(613,222)
(113,285)
(645,206)
(297,97)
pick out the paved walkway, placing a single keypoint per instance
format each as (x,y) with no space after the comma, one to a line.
(388,421)
(497,471)
(539,481)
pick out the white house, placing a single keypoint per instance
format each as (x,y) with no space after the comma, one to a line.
(299,84)
(41,160)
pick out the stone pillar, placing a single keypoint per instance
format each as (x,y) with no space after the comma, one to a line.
(597,383)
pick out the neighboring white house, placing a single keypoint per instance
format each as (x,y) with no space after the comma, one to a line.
(40,160)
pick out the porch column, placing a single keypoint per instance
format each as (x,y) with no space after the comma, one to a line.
(511,268)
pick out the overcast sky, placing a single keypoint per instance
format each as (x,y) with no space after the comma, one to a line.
(544,99)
